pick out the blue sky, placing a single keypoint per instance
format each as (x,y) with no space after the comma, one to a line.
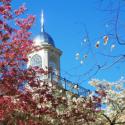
(65,21)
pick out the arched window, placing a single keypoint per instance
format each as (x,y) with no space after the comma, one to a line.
(36,60)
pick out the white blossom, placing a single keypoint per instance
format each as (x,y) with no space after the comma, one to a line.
(81,62)
(77,56)
(50,84)
(74,99)
(85,40)
(112,47)
(115,95)
(39,106)
(61,91)
(75,87)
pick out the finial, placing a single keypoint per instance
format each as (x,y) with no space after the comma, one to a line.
(42,21)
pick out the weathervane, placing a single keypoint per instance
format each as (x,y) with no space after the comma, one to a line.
(42,21)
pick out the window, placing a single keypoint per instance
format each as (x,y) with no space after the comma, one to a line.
(36,60)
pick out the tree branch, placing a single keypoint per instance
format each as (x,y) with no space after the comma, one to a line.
(107,118)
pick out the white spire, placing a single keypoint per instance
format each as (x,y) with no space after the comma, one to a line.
(42,21)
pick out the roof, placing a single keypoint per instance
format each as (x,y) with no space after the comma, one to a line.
(44,38)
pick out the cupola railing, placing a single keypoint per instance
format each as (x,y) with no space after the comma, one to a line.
(70,86)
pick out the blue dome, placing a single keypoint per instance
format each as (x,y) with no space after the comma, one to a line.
(44,38)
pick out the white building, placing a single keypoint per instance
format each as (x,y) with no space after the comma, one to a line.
(48,55)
